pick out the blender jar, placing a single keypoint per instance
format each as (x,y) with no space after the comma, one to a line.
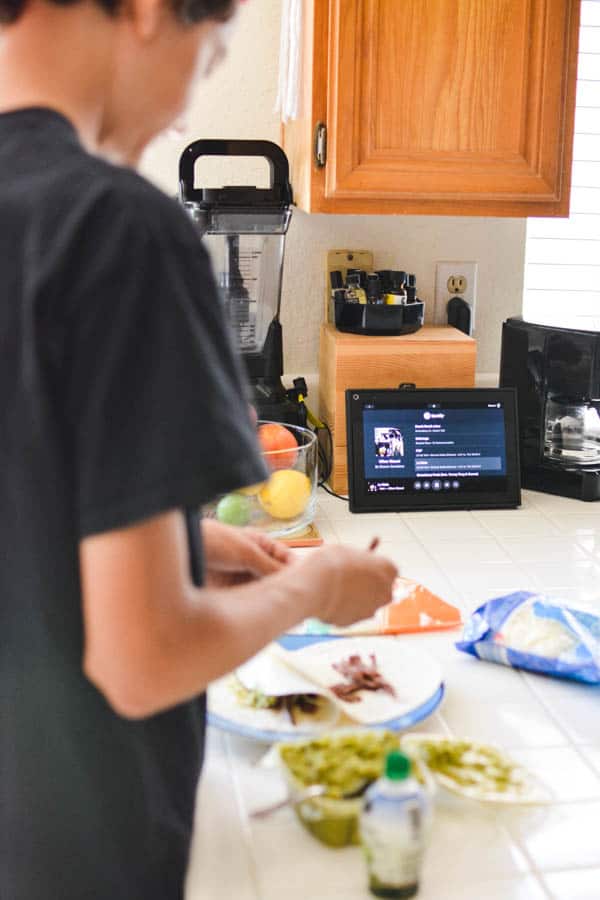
(247,256)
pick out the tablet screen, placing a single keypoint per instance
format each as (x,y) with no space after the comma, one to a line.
(432,449)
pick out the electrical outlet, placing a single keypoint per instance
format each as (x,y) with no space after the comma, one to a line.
(457,284)
(454,279)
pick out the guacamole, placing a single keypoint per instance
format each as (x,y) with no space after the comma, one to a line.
(343,763)
(470,765)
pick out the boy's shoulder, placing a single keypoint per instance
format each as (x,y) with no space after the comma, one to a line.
(124,189)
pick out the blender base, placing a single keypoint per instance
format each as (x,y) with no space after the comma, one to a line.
(273,403)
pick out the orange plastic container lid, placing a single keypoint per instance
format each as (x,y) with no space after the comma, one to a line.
(416,608)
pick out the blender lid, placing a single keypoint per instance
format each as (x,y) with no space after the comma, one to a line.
(239,219)
(246,198)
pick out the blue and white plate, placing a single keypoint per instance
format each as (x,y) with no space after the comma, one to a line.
(415,675)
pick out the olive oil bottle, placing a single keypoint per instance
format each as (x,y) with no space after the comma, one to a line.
(392,827)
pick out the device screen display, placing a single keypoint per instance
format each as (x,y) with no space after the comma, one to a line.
(435,448)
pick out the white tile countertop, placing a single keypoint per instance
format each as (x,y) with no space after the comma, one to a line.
(476,852)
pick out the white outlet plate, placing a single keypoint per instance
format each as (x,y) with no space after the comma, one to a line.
(443,271)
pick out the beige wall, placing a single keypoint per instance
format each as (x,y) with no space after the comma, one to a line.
(238,101)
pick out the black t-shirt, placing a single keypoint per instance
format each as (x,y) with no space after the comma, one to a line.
(120,398)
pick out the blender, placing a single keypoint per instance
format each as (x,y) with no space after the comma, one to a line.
(244,229)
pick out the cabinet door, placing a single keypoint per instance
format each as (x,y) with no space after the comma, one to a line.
(447,106)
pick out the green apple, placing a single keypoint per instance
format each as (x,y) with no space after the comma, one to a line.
(234,509)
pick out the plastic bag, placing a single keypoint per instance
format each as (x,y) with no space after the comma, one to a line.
(538,633)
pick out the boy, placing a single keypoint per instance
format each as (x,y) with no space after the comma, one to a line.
(122,411)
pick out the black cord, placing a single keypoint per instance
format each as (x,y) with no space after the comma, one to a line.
(326,459)
(325,453)
(333,493)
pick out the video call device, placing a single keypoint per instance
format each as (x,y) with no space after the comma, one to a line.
(436,449)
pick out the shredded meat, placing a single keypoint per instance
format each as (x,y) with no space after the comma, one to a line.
(306,703)
(360,676)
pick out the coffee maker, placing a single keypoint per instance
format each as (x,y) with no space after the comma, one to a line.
(556,372)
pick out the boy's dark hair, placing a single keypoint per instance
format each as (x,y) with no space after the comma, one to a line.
(191,11)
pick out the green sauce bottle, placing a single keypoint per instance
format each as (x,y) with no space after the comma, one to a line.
(392,830)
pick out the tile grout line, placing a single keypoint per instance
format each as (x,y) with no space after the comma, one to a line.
(566,869)
(531,690)
(455,584)
(421,544)
(243,820)
(523,565)
(440,570)
(514,842)
(539,878)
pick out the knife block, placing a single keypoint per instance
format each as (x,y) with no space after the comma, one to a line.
(434,356)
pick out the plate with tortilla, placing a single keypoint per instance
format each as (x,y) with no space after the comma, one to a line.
(301,686)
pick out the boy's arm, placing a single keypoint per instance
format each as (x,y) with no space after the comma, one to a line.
(153,639)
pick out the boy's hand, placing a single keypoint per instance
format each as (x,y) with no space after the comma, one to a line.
(239,555)
(347,584)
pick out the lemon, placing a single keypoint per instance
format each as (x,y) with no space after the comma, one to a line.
(285,494)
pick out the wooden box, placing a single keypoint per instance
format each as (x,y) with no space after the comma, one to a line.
(435,356)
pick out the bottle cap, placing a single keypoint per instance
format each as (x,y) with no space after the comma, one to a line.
(397,766)
(336,280)
(398,282)
(385,279)
(373,286)
(362,276)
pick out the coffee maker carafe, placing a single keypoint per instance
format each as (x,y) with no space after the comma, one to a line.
(556,372)
(572,432)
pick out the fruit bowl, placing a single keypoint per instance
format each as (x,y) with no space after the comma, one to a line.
(285,502)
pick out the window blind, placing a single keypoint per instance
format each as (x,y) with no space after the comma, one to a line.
(562,257)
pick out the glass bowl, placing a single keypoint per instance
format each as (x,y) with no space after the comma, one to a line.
(334,820)
(285,502)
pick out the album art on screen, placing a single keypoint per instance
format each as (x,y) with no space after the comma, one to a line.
(389,443)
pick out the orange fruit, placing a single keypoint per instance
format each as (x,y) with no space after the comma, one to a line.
(279,446)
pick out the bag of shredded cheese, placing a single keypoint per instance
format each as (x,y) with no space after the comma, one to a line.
(538,633)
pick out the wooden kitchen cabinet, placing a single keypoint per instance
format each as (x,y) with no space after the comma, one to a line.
(442,107)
